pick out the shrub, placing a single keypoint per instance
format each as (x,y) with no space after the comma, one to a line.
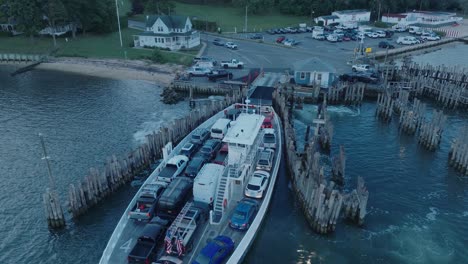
(381,24)
(158,57)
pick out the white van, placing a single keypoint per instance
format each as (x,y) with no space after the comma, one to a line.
(204,186)
(219,129)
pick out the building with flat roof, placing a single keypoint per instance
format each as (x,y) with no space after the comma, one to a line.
(423,18)
(345,16)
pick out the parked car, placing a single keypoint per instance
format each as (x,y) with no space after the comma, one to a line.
(221,155)
(243,214)
(257,184)
(210,148)
(319,36)
(148,242)
(219,74)
(198,71)
(373,35)
(205,59)
(218,42)
(332,38)
(269,138)
(199,136)
(267,122)
(430,36)
(216,251)
(388,33)
(230,45)
(381,33)
(360,67)
(386,45)
(265,159)
(173,168)
(271,31)
(194,166)
(407,40)
(189,149)
(302,30)
(232,63)
(365,77)
(256,36)
(280,39)
(290,42)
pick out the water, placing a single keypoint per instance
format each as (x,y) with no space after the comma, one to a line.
(417,205)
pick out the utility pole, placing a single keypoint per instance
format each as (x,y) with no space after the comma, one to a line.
(118,22)
(46,158)
(245,25)
(378,13)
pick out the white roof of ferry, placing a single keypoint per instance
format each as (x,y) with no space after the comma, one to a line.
(245,129)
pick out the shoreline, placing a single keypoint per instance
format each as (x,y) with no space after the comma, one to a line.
(110,68)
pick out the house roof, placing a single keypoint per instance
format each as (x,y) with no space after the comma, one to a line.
(313,64)
(172,34)
(329,17)
(395,15)
(353,11)
(170,21)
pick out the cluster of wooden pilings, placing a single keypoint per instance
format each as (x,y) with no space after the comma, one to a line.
(203,87)
(53,209)
(384,106)
(98,184)
(347,93)
(451,73)
(355,203)
(411,117)
(430,133)
(324,127)
(338,167)
(321,201)
(458,155)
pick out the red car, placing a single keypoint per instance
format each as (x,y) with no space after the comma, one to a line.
(267,122)
(222,154)
(280,39)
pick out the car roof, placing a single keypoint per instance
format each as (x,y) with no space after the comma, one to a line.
(256,179)
(243,206)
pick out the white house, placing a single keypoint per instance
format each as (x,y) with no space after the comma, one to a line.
(313,71)
(429,18)
(171,32)
(345,16)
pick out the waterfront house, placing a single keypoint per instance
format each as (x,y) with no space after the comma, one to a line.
(422,18)
(345,16)
(313,71)
(168,32)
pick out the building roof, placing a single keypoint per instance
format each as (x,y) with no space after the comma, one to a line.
(313,64)
(170,21)
(245,129)
(353,11)
(329,17)
(395,15)
(172,34)
(435,13)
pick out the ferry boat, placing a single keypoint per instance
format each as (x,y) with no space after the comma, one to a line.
(221,227)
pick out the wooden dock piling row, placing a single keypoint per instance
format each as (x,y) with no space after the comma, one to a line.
(401,102)
(354,94)
(384,107)
(412,118)
(458,155)
(355,203)
(324,128)
(430,134)
(53,209)
(321,202)
(453,73)
(98,185)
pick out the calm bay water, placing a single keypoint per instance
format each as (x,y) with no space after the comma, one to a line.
(418,206)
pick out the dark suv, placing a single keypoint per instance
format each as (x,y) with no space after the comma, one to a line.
(199,136)
(194,166)
(210,148)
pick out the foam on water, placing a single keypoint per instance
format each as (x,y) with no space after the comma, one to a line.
(432,215)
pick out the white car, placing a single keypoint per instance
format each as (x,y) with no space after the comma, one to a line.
(361,67)
(430,36)
(257,184)
(230,45)
(407,40)
(373,35)
(332,38)
(381,33)
(198,71)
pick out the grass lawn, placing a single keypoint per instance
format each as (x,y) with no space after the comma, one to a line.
(89,46)
(230,17)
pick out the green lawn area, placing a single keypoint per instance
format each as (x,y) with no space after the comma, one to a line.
(230,17)
(90,46)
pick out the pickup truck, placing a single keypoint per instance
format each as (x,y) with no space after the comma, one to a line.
(173,168)
(361,67)
(145,250)
(222,154)
(233,63)
(145,205)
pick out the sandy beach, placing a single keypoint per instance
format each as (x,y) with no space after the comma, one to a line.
(112,68)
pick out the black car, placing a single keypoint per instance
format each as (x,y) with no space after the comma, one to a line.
(365,77)
(388,33)
(195,166)
(271,31)
(219,74)
(210,148)
(199,136)
(385,45)
(218,42)
(256,36)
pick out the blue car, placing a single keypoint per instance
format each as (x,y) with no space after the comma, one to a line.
(243,214)
(216,251)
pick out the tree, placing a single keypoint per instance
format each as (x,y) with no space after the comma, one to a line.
(54,11)
(74,11)
(28,15)
(159,7)
(137,7)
